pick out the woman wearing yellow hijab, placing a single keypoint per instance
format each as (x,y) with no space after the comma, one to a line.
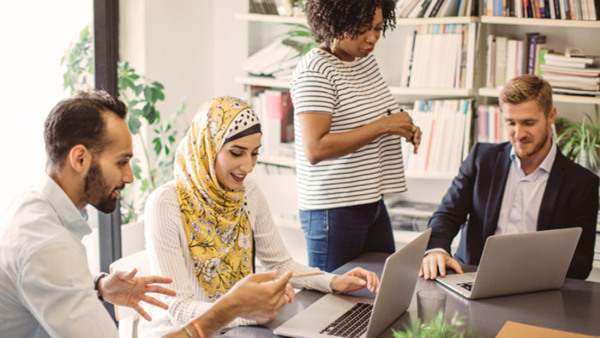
(204,228)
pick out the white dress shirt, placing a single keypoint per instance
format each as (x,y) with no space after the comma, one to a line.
(46,288)
(523,195)
(170,257)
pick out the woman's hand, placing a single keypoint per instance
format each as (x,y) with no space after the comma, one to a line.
(289,293)
(356,279)
(401,124)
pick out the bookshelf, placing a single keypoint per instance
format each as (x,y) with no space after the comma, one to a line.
(389,55)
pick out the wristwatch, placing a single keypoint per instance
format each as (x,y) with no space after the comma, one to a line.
(96,281)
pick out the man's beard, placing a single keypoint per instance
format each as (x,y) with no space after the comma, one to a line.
(536,148)
(97,192)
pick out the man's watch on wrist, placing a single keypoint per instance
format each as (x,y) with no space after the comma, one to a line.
(96,282)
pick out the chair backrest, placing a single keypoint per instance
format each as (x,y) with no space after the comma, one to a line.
(132,238)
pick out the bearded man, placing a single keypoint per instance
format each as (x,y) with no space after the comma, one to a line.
(523,185)
(46,288)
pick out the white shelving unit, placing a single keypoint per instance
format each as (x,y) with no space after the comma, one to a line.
(571,29)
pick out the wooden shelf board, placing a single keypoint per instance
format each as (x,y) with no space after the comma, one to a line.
(495,92)
(445,92)
(280,161)
(262,81)
(271,18)
(431,21)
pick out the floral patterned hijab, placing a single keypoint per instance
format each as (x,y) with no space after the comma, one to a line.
(216,225)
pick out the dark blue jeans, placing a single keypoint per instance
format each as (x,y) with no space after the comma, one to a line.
(336,236)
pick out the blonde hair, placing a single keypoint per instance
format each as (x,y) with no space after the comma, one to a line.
(525,88)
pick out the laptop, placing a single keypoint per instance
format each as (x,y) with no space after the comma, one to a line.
(518,263)
(347,316)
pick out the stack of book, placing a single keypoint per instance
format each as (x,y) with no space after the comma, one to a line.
(277,60)
(439,56)
(571,74)
(544,9)
(274,7)
(446,126)
(490,124)
(436,8)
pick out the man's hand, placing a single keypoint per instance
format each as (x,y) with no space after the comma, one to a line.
(123,288)
(258,296)
(356,279)
(438,260)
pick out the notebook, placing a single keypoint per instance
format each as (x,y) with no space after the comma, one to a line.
(396,288)
(518,263)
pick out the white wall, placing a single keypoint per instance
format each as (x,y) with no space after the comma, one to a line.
(193,47)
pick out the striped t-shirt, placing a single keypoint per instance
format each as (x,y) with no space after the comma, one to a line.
(354,94)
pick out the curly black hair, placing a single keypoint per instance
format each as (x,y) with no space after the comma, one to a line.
(337,19)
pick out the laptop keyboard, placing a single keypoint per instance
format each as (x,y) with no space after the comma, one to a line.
(352,323)
(467,286)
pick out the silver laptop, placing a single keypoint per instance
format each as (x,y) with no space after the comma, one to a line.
(518,263)
(361,317)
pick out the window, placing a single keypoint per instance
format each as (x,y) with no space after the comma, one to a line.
(33,34)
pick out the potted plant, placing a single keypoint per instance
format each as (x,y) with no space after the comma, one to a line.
(153,163)
(580,141)
(436,327)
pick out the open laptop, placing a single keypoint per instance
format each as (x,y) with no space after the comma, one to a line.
(368,318)
(518,263)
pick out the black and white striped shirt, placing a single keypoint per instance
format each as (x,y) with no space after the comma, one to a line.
(354,94)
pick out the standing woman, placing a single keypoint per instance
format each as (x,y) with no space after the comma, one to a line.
(348,129)
(205,228)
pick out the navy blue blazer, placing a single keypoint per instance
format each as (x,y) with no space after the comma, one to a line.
(475,197)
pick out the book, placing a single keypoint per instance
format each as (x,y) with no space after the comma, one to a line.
(588,60)
(511,59)
(449,8)
(436,8)
(520,56)
(284,7)
(407,59)
(541,61)
(590,71)
(539,50)
(500,73)
(491,61)
(405,7)
(526,51)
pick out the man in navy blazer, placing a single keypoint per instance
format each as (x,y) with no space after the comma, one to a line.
(522,185)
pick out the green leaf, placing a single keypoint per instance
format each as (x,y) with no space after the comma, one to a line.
(135,168)
(149,95)
(157,145)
